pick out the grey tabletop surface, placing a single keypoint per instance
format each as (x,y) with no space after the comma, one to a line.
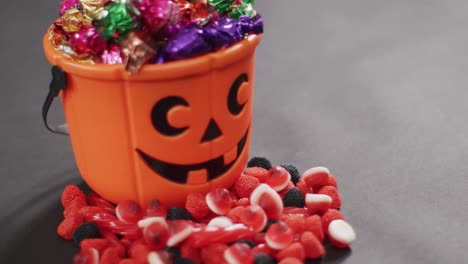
(374,90)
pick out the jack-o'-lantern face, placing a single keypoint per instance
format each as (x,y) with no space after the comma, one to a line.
(199,135)
(211,134)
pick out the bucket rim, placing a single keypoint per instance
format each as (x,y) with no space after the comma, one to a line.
(170,70)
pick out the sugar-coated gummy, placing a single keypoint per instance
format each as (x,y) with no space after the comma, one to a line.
(84,231)
(293,171)
(261,162)
(263,259)
(294,198)
(177,213)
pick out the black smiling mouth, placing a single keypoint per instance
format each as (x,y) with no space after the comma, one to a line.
(179,173)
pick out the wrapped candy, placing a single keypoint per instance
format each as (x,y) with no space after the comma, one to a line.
(202,10)
(137,52)
(158,14)
(94,8)
(112,55)
(73,20)
(192,40)
(57,35)
(222,6)
(186,43)
(134,31)
(87,41)
(244,9)
(252,25)
(223,33)
(67,4)
(186,10)
(117,22)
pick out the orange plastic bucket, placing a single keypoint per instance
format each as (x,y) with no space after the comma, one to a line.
(164,132)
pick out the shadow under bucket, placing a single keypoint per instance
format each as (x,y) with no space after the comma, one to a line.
(164,132)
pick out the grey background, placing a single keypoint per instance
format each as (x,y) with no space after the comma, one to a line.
(374,90)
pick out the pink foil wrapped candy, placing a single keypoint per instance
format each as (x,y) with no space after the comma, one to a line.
(87,41)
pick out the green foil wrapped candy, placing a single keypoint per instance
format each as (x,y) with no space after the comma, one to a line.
(117,22)
(244,9)
(222,6)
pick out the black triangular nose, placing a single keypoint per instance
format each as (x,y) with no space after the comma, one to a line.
(211,132)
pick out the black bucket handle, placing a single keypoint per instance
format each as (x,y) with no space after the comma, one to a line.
(58,83)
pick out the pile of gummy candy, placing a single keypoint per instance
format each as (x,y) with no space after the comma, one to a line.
(271,214)
(135,32)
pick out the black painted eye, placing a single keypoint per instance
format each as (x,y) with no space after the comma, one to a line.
(234,107)
(159,115)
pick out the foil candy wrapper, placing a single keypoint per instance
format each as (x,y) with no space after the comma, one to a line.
(137,51)
(74,20)
(192,40)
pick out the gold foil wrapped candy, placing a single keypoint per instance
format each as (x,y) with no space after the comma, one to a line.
(94,8)
(136,51)
(73,20)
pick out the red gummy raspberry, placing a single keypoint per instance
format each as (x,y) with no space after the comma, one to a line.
(313,248)
(100,244)
(260,173)
(139,251)
(87,256)
(214,254)
(68,226)
(235,213)
(128,261)
(70,193)
(295,250)
(196,205)
(74,206)
(189,252)
(296,223)
(244,185)
(302,186)
(290,260)
(243,202)
(332,181)
(314,224)
(110,256)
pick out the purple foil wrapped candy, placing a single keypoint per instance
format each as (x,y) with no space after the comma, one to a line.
(186,43)
(252,25)
(67,4)
(223,33)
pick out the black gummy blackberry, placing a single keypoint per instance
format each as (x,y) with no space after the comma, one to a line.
(175,252)
(183,261)
(261,162)
(294,198)
(293,171)
(86,230)
(177,213)
(263,259)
